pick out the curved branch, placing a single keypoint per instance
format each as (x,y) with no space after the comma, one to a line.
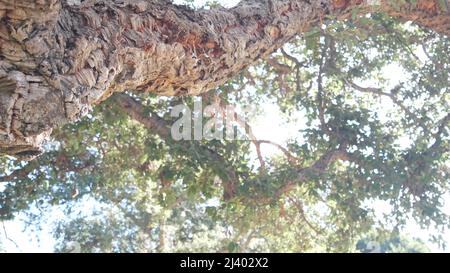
(135,110)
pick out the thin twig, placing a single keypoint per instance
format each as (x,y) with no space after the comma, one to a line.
(6,235)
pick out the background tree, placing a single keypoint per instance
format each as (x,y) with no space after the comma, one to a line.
(392,244)
(124,184)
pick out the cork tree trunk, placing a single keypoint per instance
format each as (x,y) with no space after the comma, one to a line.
(58,58)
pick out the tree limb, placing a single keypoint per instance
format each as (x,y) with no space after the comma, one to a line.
(161,127)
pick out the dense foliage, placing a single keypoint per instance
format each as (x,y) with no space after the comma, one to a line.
(370,97)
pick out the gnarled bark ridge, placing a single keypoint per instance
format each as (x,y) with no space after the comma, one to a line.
(58,58)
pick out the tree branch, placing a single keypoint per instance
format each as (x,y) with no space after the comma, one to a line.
(161,127)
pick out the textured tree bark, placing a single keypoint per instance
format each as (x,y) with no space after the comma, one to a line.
(58,58)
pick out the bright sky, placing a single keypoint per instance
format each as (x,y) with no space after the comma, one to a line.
(267,126)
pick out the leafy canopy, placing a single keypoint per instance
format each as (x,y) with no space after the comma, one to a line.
(371,96)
